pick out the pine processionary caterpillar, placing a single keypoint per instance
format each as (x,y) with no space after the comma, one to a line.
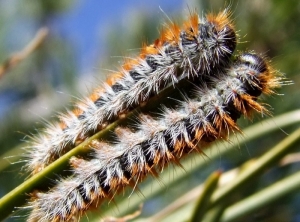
(196,49)
(207,114)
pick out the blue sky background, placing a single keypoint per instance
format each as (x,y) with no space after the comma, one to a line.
(86,22)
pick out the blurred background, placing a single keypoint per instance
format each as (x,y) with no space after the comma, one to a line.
(89,38)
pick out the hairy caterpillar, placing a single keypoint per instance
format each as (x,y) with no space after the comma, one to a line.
(210,113)
(196,49)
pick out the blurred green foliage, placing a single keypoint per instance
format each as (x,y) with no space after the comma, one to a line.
(31,85)
(268,27)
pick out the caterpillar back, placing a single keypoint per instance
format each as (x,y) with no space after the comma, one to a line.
(193,51)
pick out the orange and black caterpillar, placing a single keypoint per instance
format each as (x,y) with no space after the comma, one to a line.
(194,50)
(208,114)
